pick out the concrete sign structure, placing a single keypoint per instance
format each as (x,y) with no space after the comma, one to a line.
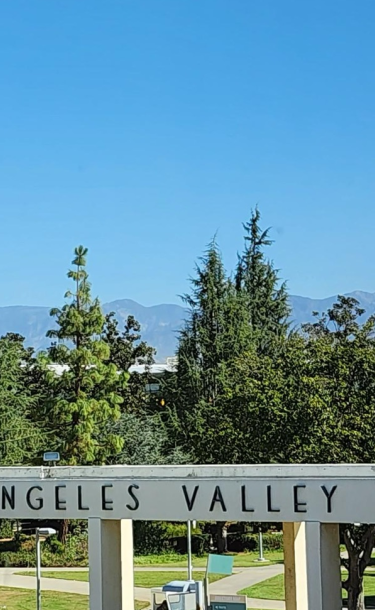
(309,500)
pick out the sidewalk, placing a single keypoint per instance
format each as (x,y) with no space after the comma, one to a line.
(242,578)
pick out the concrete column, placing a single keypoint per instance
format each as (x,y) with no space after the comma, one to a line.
(312,566)
(331,566)
(111,564)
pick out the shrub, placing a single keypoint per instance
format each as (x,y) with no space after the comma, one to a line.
(20,552)
(238,543)
(6,528)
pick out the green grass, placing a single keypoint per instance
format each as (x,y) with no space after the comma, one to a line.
(368,585)
(141,579)
(172,560)
(273,588)
(21,599)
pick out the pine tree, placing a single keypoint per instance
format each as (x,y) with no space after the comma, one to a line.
(258,280)
(21,439)
(202,341)
(127,349)
(216,330)
(84,400)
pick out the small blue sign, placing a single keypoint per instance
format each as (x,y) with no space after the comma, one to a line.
(220,564)
(51,456)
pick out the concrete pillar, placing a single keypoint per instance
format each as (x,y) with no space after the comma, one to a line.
(312,566)
(111,564)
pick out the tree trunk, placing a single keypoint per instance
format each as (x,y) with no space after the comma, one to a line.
(354,584)
(355,601)
(63,530)
(221,537)
(359,542)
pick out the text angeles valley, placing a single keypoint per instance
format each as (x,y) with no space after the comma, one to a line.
(35,496)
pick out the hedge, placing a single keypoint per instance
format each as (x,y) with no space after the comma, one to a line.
(238,543)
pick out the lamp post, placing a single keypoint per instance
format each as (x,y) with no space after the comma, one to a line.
(38,589)
(190,567)
(261,556)
(45,532)
(190,557)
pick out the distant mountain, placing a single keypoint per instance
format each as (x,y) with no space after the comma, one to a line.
(160,323)
(302,307)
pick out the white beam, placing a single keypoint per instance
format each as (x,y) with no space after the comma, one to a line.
(208,493)
(312,566)
(111,564)
(255,471)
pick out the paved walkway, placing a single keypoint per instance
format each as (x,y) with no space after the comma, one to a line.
(242,578)
(246,578)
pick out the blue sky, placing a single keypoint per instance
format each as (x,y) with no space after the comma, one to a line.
(142,127)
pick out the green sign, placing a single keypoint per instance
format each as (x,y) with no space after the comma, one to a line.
(219,564)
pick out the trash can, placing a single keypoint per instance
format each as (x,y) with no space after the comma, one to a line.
(176,595)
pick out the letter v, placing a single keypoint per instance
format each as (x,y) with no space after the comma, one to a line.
(190,501)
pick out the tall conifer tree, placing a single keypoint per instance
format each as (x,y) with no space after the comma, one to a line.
(216,330)
(84,400)
(257,279)
(21,439)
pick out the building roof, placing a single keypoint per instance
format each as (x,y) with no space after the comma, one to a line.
(153,369)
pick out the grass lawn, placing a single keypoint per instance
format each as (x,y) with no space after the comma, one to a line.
(141,579)
(368,586)
(21,599)
(241,560)
(273,588)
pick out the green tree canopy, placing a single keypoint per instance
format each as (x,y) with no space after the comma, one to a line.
(125,350)
(258,281)
(85,398)
(21,439)
(215,331)
(146,441)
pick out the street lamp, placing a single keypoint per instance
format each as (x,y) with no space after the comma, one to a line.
(190,561)
(261,556)
(45,532)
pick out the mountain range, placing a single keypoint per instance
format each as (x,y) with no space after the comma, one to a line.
(160,323)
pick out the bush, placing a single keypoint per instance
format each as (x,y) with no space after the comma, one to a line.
(53,544)
(149,537)
(6,528)
(20,552)
(238,543)
(153,537)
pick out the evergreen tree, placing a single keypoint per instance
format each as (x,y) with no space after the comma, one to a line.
(257,279)
(21,440)
(216,330)
(201,348)
(146,441)
(127,349)
(84,399)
